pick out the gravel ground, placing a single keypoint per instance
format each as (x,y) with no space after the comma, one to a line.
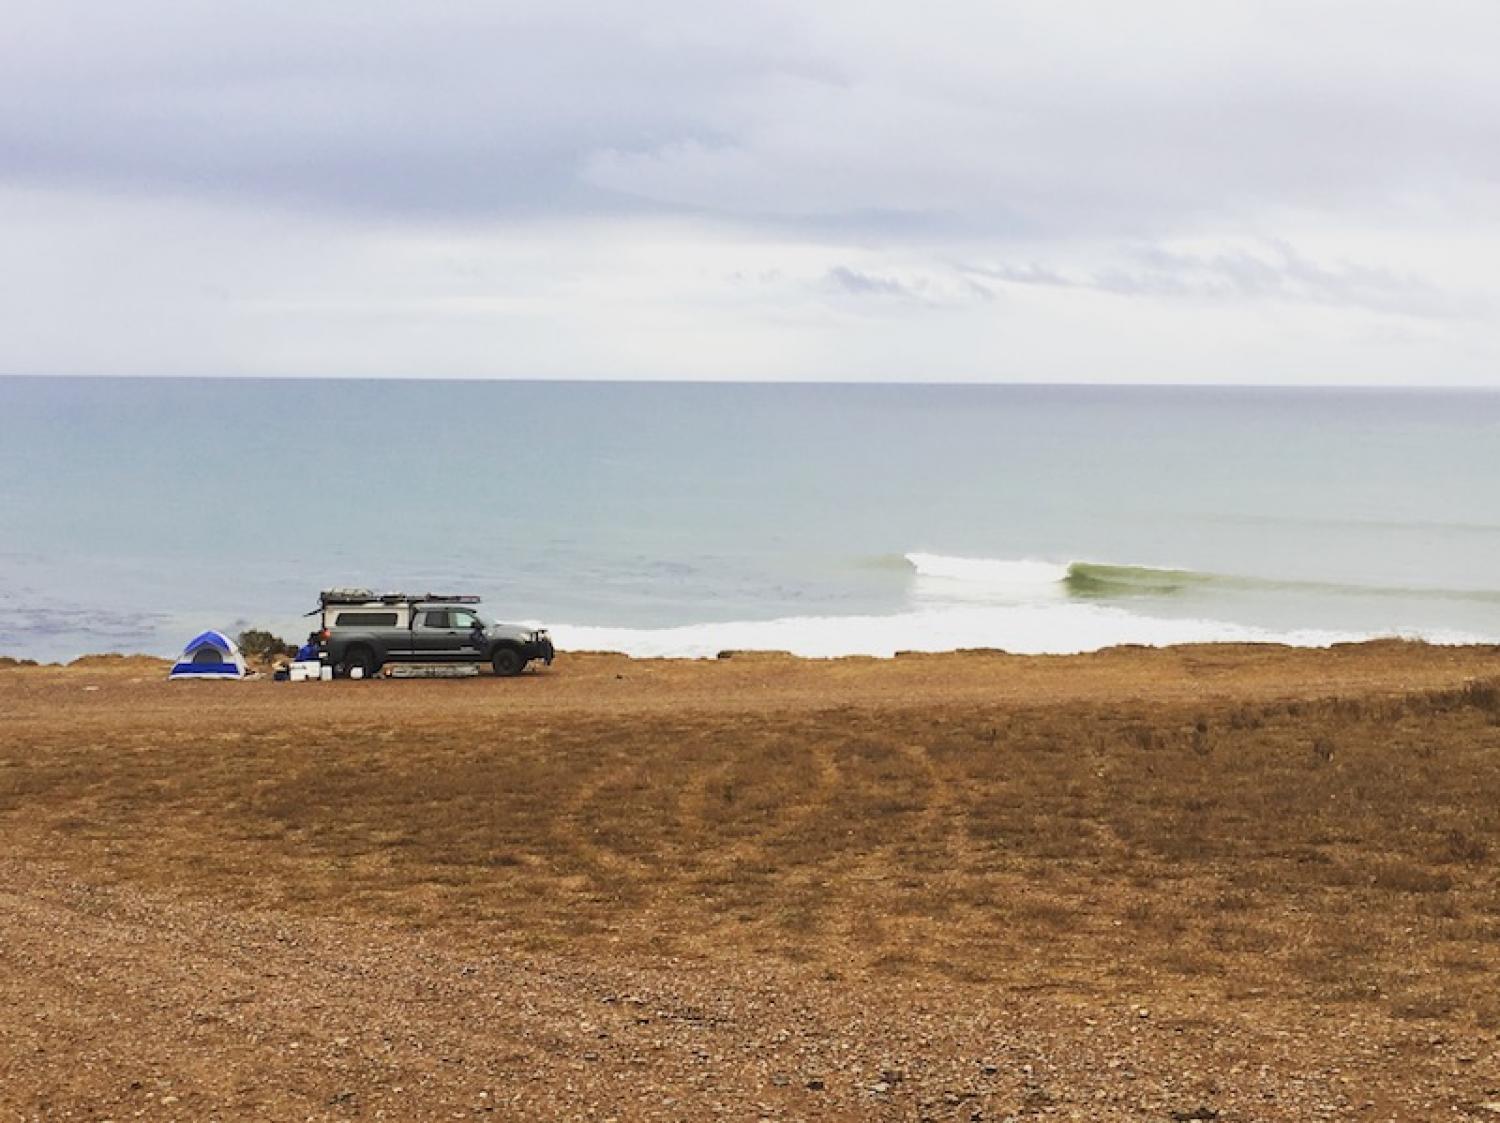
(181,939)
(122,1005)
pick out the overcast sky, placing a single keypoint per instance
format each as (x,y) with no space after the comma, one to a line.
(1056,190)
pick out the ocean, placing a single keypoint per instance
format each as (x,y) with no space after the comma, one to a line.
(682,519)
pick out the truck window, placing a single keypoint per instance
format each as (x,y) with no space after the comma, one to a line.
(365,620)
(463,620)
(435,618)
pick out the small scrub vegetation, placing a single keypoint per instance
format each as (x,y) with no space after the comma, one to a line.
(261,646)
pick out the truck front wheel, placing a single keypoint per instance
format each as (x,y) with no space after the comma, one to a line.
(507,662)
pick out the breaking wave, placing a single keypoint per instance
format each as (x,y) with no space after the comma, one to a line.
(990,579)
(994,579)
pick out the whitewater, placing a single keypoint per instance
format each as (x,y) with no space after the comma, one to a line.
(1024,607)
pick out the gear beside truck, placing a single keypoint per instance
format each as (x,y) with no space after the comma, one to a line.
(363,632)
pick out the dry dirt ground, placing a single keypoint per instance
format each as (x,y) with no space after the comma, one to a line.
(1217,882)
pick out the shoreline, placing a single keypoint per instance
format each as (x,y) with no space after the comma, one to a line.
(107,658)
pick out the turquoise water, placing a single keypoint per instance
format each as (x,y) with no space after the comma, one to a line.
(680,519)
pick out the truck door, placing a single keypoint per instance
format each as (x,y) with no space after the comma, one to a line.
(431,637)
(470,634)
(446,635)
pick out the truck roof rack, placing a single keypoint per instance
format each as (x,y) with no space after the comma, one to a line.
(367,596)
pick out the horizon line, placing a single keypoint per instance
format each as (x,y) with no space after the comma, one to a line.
(1387,387)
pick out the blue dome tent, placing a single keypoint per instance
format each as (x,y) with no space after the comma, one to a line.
(211,655)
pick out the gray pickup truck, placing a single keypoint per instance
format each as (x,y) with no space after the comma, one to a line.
(363,631)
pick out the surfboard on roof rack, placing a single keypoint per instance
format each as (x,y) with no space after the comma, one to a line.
(367,596)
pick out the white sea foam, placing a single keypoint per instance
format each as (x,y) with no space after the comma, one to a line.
(1052,629)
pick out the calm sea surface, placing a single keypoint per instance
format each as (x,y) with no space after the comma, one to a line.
(682,519)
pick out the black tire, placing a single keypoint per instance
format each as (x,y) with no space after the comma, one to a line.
(508,662)
(364,659)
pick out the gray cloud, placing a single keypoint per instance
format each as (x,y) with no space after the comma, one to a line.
(980,120)
(1276,271)
(925,289)
(476,109)
(856,283)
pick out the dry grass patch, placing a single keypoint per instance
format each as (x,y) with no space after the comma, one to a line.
(1282,843)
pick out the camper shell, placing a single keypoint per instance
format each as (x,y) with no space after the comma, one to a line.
(362,631)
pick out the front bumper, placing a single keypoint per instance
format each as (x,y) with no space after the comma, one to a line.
(539,647)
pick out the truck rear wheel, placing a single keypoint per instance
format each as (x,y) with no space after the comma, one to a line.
(361,659)
(507,662)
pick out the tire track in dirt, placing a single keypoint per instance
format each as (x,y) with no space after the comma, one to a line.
(572,833)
